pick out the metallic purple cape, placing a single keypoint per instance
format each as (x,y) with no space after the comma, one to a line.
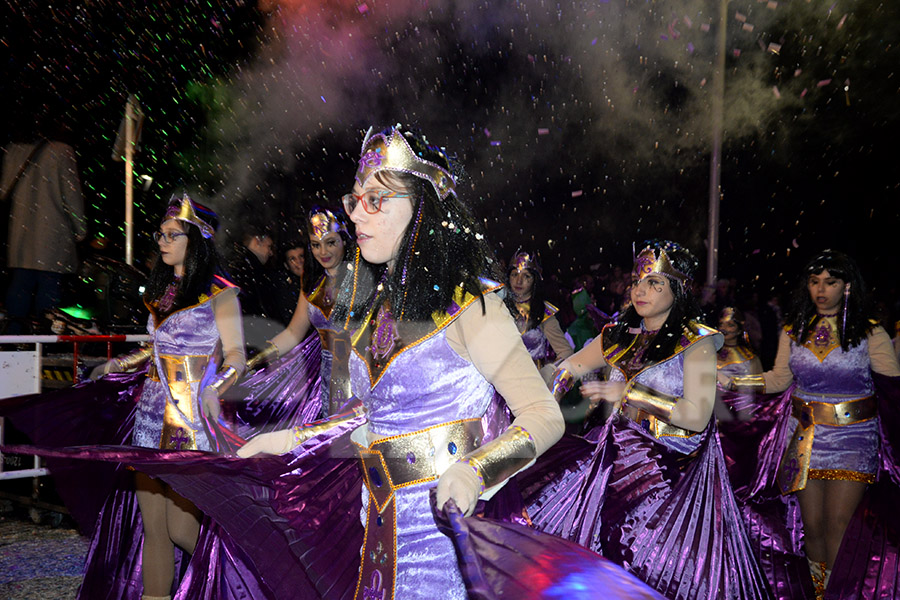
(284,394)
(507,560)
(669,518)
(295,517)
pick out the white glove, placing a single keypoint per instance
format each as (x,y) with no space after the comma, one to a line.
(461,483)
(110,366)
(209,398)
(274,442)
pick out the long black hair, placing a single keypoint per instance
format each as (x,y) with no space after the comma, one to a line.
(536,306)
(685,307)
(201,263)
(803,316)
(442,248)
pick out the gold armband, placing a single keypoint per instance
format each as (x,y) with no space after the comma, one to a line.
(502,457)
(748,383)
(653,402)
(225,377)
(563,381)
(134,359)
(311,430)
(263,357)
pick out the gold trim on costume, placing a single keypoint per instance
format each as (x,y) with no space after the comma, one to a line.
(651,401)
(653,424)
(841,475)
(793,470)
(749,383)
(502,457)
(134,359)
(563,381)
(178,417)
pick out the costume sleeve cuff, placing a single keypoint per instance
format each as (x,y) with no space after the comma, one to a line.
(502,457)
(311,430)
(563,380)
(263,357)
(135,359)
(225,378)
(651,401)
(748,383)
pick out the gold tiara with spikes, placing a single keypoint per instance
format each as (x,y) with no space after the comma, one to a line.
(390,151)
(183,210)
(322,222)
(648,261)
(523,260)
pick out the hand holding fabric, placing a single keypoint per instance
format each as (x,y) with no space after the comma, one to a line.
(273,442)
(209,399)
(607,391)
(110,366)
(461,484)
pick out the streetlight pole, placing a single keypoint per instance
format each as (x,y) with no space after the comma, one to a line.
(715,164)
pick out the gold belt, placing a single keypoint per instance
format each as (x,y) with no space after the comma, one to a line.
(793,470)
(811,412)
(189,369)
(417,457)
(654,424)
(336,342)
(391,463)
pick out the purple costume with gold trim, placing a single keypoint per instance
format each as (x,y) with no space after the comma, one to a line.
(535,341)
(168,413)
(659,505)
(336,389)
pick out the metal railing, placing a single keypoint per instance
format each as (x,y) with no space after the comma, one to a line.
(20,374)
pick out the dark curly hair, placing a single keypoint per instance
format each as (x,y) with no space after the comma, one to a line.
(201,263)
(803,316)
(443,247)
(685,307)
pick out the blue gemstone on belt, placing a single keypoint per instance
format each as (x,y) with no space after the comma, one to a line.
(847,414)
(410,458)
(379,521)
(375,477)
(451,447)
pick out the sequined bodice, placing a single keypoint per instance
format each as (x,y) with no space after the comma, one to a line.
(191,331)
(839,372)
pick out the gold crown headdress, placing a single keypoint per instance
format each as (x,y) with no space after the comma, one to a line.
(389,151)
(185,209)
(522,260)
(655,260)
(322,222)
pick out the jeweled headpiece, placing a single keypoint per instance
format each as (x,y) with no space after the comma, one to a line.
(523,260)
(730,314)
(322,222)
(655,260)
(389,151)
(185,209)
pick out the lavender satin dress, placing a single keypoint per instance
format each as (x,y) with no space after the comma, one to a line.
(426,384)
(188,332)
(841,376)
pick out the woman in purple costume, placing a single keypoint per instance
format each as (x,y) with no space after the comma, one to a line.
(331,244)
(652,493)
(829,349)
(535,318)
(194,319)
(432,340)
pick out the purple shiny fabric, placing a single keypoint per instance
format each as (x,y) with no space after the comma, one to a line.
(506,560)
(426,384)
(188,332)
(536,343)
(284,394)
(669,518)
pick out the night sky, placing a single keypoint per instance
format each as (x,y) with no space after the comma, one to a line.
(583,126)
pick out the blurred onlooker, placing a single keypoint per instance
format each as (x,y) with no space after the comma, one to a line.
(246,264)
(46,219)
(289,281)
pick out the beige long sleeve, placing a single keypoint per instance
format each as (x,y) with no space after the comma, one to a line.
(779,378)
(227,312)
(554,334)
(694,409)
(881,353)
(491,342)
(590,358)
(296,330)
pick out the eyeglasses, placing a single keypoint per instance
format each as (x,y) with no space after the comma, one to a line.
(168,237)
(371,201)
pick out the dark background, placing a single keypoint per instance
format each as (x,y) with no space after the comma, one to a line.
(583,126)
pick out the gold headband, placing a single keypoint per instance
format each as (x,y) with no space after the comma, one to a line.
(184,211)
(523,260)
(391,152)
(648,262)
(322,222)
